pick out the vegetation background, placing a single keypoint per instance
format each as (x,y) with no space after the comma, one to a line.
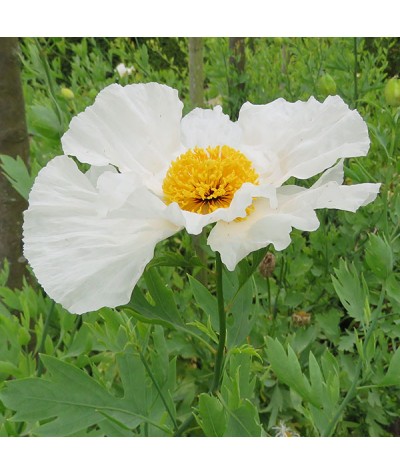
(313,340)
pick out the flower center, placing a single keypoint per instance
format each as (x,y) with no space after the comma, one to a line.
(203,180)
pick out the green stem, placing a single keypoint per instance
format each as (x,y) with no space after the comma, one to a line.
(43,340)
(49,81)
(355,71)
(353,388)
(201,254)
(185,424)
(222,327)
(160,393)
(281,275)
(219,359)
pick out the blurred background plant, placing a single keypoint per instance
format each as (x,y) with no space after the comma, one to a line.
(313,335)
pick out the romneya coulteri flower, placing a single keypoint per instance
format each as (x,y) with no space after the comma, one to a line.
(88,236)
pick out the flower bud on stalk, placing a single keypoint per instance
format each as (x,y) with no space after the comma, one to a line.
(67,93)
(267,265)
(392,92)
(326,85)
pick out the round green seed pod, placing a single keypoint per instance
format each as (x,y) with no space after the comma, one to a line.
(392,92)
(67,93)
(326,85)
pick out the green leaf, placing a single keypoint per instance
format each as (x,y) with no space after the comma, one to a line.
(316,380)
(211,417)
(288,370)
(379,256)
(241,310)
(17,174)
(133,379)
(70,400)
(243,421)
(392,377)
(163,296)
(205,300)
(9,369)
(392,288)
(172,259)
(238,383)
(45,122)
(206,329)
(243,316)
(351,290)
(329,322)
(164,310)
(248,266)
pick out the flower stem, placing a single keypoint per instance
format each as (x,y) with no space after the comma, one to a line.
(40,367)
(222,326)
(219,359)
(158,389)
(355,71)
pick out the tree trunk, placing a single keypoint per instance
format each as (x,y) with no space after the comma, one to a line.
(196,74)
(237,61)
(13,142)
(238,57)
(196,93)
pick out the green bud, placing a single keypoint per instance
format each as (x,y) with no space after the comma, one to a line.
(67,93)
(392,92)
(23,336)
(326,85)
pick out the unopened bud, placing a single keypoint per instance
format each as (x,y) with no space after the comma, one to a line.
(301,318)
(267,265)
(67,93)
(326,85)
(392,92)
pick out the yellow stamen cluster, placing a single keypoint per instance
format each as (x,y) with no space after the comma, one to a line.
(203,180)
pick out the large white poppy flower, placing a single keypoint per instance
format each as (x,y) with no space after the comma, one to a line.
(88,236)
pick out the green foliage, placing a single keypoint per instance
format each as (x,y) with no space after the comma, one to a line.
(379,257)
(18,174)
(351,290)
(314,347)
(70,401)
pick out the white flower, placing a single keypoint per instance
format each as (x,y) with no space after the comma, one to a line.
(123,71)
(88,236)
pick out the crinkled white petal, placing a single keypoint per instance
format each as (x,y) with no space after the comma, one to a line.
(265,225)
(136,128)
(88,246)
(94,173)
(335,173)
(302,139)
(209,128)
(195,222)
(328,191)
(295,209)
